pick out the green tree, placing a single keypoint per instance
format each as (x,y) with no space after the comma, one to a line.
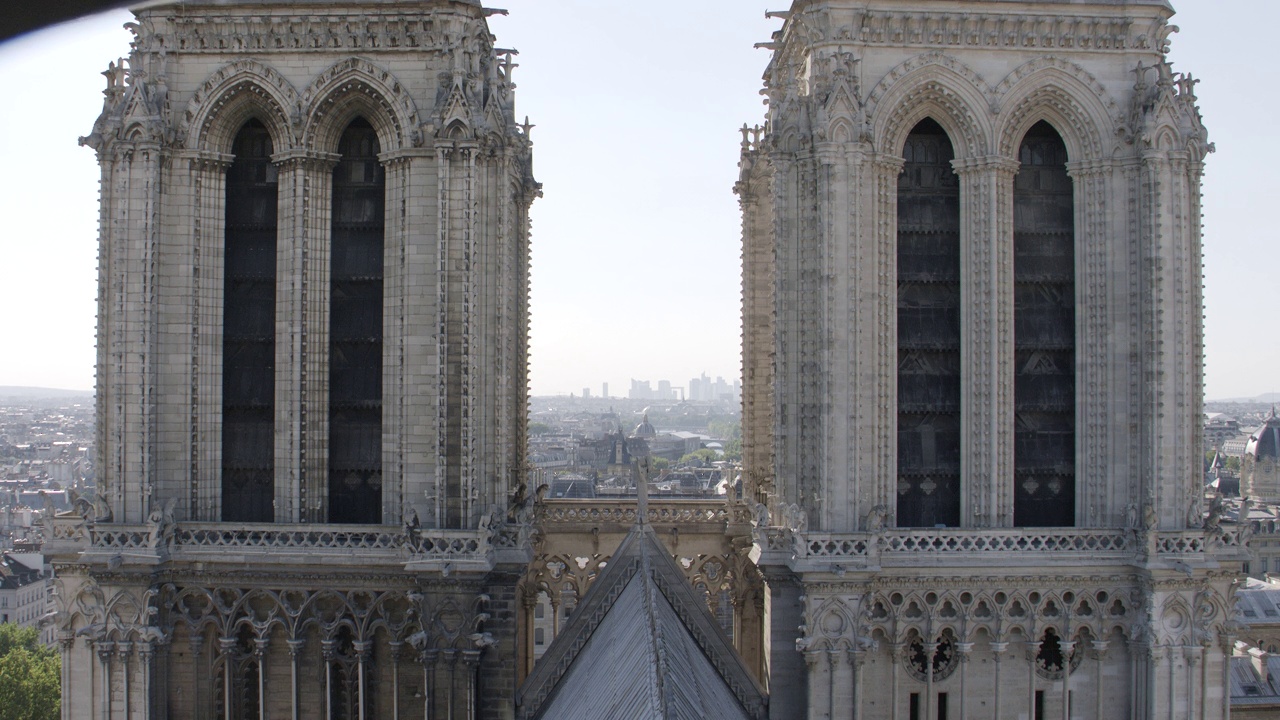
(700,457)
(733,450)
(30,676)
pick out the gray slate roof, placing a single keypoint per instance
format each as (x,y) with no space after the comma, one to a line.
(641,646)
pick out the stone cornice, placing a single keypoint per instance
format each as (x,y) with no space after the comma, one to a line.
(1083,29)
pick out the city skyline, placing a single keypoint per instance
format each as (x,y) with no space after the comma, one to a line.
(617,293)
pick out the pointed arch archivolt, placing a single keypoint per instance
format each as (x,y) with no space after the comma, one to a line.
(931,86)
(358,88)
(230,97)
(1062,94)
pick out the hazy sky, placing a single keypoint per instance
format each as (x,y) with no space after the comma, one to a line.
(636,242)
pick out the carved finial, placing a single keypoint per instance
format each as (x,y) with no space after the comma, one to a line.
(505,63)
(746,137)
(642,490)
(527,126)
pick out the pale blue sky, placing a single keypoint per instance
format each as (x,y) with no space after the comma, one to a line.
(636,242)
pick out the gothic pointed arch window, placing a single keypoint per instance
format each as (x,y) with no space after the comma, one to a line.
(1044,333)
(355,329)
(248,331)
(928,331)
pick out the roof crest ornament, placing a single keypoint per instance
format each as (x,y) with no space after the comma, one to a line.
(640,469)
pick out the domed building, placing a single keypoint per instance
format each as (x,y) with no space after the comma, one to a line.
(1258,476)
(645,428)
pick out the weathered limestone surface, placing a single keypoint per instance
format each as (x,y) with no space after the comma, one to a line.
(164,610)
(1137,598)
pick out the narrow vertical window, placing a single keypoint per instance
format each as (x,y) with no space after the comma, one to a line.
(355,333)
(248,330)
(928,331)
(1044,333)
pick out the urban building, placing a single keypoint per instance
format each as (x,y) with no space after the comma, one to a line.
(1260,462)
(24,591)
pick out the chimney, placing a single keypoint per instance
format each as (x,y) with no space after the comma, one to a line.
(1258,657)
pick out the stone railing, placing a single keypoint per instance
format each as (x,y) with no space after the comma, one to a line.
(310,538)
(1188,543)
(266,544)
(621,512)
(987,542)
(903,547)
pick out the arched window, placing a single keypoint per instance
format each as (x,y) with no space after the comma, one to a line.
(1044,333)
(928,331)
(355,330)
(248,330)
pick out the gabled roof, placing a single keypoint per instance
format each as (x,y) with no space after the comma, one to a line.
(641,646)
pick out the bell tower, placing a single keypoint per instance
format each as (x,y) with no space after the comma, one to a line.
(311,388)
(972,361)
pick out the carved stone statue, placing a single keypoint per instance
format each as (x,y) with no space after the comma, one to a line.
(875,518)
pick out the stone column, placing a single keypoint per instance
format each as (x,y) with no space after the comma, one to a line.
(295,647)
(327,650)
(987,355)
(966,651)
(471,665)
(208,237)
(395,328)
(1066,648)
(123,650)
(885,170)
(528,608)
(396,647)
(819,707)
(997,652)
(1099,503)
(1191,654)
(226,648)
(428,660)
(105,650)
(895,662)
(302,334)
(1033,650)
(856,659)
(146,656)
(1100,658)
(196,643)
(128,298)
(66,641)
(260,645)
(363,648)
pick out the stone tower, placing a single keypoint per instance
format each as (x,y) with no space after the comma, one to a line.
(972,365)
(311,387)
(1260,467)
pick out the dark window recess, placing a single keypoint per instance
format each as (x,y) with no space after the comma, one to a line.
(942,706)
(248,323)
(928,331)
(1044,334)
(355,327)
(1039,709)
(913,711)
